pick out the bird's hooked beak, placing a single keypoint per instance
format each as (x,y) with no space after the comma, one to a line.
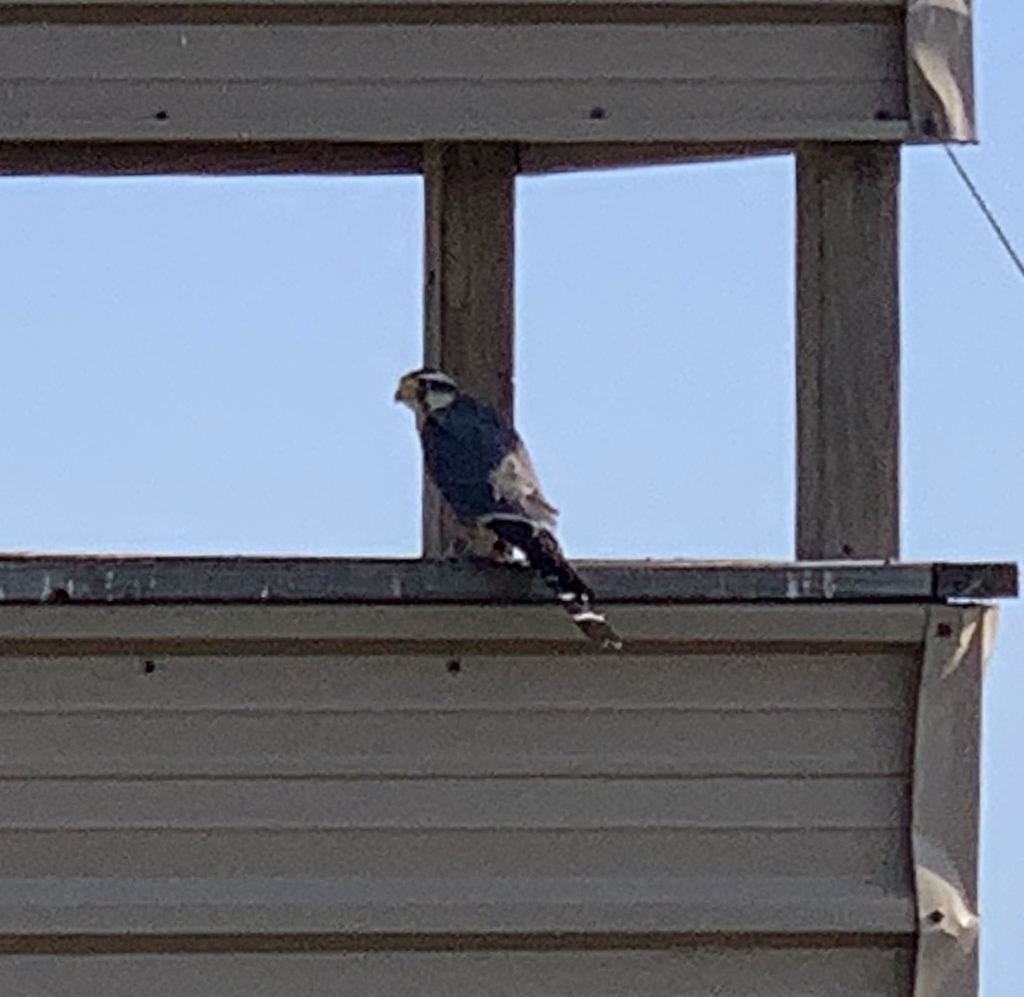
(406,390)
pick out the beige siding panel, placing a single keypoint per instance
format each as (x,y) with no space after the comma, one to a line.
(393,53)
(233,771)
(698,682)
(712,8)
(451,804)
(468,111)
(293,630)
(456,743)
(866,856)
(872,857)
(454,882)
(680,973)
(466,906)
(552,82)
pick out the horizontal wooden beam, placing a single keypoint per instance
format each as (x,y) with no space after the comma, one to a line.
(270,158)
(558,157)
(223,158)
(438,11)
(129,580)
(385,78)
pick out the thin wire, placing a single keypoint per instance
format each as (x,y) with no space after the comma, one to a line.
(986,211)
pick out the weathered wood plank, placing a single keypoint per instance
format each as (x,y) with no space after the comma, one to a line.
(438,10)
(553,157)
(468,307)
(218,158)
(847,351)
(81,579)
(967,581)
(256,158)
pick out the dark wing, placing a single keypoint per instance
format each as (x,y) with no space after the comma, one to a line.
(462,445)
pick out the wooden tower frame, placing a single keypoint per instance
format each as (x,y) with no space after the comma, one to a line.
(877,891)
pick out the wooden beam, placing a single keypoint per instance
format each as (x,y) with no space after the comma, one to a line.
(847,351)
(222,158)
(554,157)
(468,306)
(55,580)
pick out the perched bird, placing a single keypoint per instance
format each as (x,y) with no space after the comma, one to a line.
(481,467)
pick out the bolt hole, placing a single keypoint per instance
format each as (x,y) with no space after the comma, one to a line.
(847,550)
(161,116)
(598,114)
(935,917)
(943,630)
(59,596)
(454,666)
(149,667)
(883,115)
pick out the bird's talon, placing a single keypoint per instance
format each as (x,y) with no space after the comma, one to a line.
(501,553)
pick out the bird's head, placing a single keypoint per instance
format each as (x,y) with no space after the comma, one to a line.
(426,390)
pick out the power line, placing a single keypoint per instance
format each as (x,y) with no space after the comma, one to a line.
(986,210)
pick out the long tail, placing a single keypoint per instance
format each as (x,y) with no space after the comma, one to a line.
(545,556)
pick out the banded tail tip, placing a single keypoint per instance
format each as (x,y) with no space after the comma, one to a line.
(596,628)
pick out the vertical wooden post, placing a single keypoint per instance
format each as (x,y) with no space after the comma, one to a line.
(847,351)
(468,306)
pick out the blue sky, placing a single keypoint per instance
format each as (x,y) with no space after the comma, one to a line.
(207,366)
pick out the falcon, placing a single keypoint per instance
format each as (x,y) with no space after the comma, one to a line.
(481,467)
